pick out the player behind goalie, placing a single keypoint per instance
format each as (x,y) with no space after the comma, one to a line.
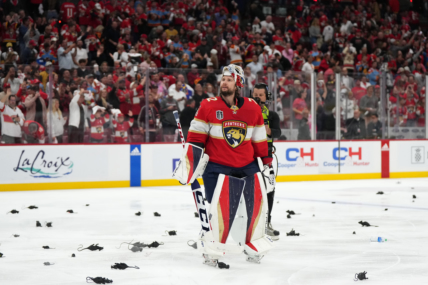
(230,130)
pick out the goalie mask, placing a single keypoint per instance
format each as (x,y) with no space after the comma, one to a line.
(236,72)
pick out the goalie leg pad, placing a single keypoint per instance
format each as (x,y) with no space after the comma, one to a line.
(257,206)
(257,243)
(224,206)
(192,164)
(259,247)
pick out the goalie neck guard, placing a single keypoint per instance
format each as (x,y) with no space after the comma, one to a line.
(236,72)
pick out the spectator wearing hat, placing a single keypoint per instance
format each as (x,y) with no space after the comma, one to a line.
(12,119)
(121,127)
(213,59)
(264,56)
(190,24)
(98,119)
(235,52)
(9,50)
(30,53)
(203,49)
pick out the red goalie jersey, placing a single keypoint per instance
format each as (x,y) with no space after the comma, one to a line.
(231,136)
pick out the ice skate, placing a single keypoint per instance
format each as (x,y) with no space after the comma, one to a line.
(210,260)
(253,258)
(270,231)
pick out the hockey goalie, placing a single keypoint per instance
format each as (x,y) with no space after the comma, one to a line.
(225,144)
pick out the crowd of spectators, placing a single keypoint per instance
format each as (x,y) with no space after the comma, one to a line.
(109,65)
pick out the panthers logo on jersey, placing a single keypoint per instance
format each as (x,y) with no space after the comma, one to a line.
(234,132)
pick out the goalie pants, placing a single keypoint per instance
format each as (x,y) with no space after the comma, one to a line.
(213,170)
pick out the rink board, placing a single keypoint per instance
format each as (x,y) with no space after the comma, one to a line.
(34,167)
(63,167)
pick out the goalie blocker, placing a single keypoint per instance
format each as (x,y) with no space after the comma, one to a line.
(192,164)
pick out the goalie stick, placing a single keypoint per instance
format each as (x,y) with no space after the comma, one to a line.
(196,188)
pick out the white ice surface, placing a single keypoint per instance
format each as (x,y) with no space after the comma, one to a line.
(326,252)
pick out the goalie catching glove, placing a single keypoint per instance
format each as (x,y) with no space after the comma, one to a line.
(192,164)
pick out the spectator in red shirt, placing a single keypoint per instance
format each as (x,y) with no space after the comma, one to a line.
(299,105)
(193,75)
(121,128)
(98,119)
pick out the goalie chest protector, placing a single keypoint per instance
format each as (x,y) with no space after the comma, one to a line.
(232,135)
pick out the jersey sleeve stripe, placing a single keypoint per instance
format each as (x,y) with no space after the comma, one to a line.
(259,134)
(215,137)
(199,126)
(199,120)
(196,132)
(260,141)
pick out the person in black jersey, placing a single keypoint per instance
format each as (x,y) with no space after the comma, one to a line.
(262,96)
